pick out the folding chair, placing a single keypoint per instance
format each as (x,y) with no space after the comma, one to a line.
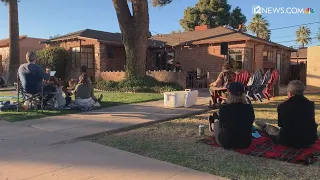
(243,77)
(33,98)
(269,87)
(253,86)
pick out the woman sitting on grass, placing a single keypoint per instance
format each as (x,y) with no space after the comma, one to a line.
(84,93)
(232,126)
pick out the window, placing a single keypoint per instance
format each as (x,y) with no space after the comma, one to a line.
(110,53)
(85,57)
(235,58)
(268,56)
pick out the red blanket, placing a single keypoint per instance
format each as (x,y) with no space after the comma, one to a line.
(265,147)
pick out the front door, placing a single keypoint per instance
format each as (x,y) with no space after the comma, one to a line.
(87,58)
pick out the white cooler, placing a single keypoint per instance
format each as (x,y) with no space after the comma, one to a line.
(176,99)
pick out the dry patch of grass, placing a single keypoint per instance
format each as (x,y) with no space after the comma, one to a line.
(176,142)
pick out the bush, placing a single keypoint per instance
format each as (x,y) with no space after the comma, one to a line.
(138,85)
(56,58)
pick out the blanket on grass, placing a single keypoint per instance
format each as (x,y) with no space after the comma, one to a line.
(265,147)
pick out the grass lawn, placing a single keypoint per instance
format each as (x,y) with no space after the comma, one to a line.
(176,142)
(109,99)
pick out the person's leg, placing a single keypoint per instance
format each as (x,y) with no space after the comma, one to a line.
(211,119)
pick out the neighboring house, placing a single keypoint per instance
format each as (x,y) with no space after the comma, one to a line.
(195,50)
(26,44)
(300,55)
(313,66)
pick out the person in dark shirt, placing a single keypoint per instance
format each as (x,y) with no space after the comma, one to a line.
(232,126)
(178,67)
(31,74)
(296,118)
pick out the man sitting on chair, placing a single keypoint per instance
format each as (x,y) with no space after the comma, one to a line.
(31,76)
(224,78)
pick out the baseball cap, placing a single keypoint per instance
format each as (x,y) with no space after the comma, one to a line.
(236,88)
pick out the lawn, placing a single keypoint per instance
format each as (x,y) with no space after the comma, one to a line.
(176,142)
(109,99)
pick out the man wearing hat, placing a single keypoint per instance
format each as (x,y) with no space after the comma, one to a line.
(232,126)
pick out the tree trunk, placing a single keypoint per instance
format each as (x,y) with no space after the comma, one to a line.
(14,51)
(134,29)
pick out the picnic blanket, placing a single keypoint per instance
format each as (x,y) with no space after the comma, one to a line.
(265,147)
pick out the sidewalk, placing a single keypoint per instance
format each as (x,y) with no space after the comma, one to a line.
(45,149)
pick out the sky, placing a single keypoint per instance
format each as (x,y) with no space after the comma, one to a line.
(44,18)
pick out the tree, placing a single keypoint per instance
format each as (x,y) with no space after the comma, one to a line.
(173,32)
(303,36)
(14,49)
(55,36)
(134,28)
(212,12)
(236,18)
(260,26)
(318,34)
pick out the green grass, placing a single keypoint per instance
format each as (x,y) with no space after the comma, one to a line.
(176,142)
(109,99)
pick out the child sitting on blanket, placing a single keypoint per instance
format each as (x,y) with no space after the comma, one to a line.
(232,126)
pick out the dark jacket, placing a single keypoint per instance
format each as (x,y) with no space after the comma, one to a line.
(236,125)
(296,117)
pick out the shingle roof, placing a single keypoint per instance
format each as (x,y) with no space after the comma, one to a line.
(6,42)
(303,52)
(214,35)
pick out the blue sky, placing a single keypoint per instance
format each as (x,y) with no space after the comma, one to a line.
(43,18)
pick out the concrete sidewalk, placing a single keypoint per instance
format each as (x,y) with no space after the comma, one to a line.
(44,149)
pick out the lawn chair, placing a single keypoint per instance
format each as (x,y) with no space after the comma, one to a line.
(243,77)
(260,92)
(253,86)
(35,100)
(269,87)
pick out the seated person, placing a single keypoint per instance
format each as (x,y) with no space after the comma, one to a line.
(296,118)
(232,126)
(178,67)
(84,92)
(84,69)
(224,78)
(31,76)
(3,82)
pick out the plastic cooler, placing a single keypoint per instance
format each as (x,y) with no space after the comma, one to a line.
(176,99)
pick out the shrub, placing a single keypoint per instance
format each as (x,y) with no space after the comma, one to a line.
(56,58)
(138,85)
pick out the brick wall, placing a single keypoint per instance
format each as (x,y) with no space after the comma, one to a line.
(117,62)
(113,76)
(162,76)
(313,66)
(169,76)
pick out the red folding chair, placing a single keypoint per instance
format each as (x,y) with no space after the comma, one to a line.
(273,79)
(243,76)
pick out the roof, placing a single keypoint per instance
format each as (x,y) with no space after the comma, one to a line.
(215,35)
(105,37)
(303,52)
(92,34)
(210,36)
(6,42)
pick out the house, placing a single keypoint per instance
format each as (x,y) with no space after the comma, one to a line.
(26,44)
(197,51)
(299,56)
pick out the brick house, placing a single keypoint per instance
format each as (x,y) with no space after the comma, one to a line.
(104,53)
(26,44)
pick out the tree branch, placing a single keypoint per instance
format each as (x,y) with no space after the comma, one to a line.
(140,13)
(123,12)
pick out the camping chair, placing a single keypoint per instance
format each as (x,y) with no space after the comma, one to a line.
(243,77)
(34,99)
(269,87)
